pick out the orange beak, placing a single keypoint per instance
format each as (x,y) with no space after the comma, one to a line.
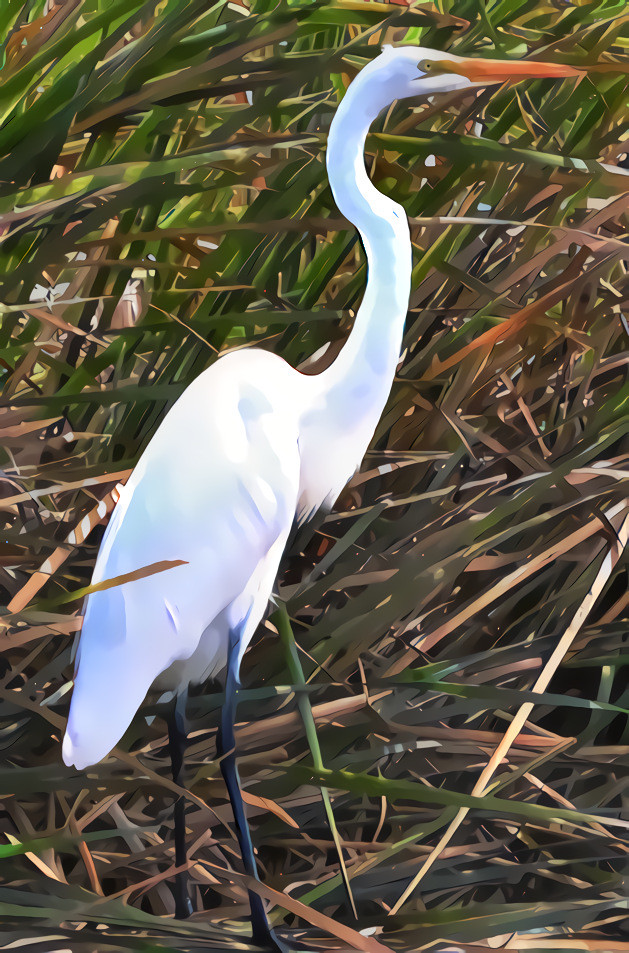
(508,71)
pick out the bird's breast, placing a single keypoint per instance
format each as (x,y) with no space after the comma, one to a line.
(328,460)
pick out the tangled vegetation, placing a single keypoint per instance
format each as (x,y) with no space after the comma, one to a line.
(459,622)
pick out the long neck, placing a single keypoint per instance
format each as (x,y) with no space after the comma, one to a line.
(359,380)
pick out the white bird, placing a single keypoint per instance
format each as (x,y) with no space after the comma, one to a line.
(249,449)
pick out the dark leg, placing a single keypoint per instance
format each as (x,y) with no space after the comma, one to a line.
(177,745)
(262,933)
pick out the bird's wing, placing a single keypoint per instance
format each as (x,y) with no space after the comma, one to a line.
(217,488)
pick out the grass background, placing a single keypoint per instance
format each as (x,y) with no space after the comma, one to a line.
(163,197)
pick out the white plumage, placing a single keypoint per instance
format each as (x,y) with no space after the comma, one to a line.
(250,447)
(217,487)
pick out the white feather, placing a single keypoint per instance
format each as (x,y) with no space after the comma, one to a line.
(251,446)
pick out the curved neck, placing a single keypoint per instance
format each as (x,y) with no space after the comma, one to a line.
(360,378)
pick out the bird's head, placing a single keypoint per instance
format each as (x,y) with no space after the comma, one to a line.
(410,71)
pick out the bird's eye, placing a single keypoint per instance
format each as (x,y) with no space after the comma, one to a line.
(425,66)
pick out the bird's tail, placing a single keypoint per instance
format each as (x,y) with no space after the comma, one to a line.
(114,673)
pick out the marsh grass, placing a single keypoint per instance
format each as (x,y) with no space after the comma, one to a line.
(162,198)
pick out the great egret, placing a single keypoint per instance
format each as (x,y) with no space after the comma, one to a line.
(250,448)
